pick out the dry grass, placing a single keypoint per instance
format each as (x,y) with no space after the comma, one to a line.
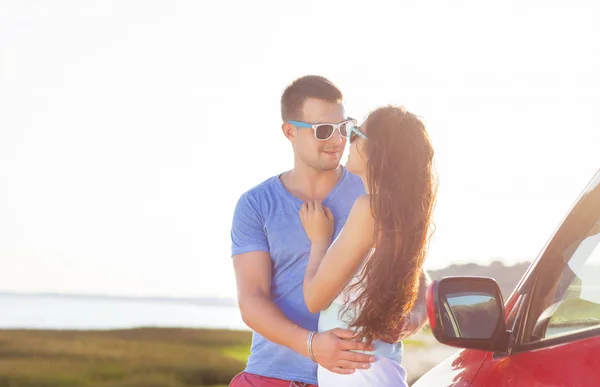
(149,357)
(144,357)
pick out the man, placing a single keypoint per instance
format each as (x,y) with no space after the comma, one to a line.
(270,248)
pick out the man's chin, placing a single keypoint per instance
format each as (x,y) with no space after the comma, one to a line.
(329,166)
(330,159)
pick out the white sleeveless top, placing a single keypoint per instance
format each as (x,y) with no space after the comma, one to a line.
(332,317)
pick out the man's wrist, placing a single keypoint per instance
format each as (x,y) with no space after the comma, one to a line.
(311,355)
(299,341)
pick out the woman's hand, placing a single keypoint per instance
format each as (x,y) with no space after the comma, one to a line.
(318,222)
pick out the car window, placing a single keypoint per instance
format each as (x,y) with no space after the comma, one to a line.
(511,318)
(573,302)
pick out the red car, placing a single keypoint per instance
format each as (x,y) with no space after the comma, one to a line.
(546,334)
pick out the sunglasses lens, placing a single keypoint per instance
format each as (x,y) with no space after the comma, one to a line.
(323,132)
(344,129)
(353,136)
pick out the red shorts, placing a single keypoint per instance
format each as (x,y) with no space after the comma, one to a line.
(250,380)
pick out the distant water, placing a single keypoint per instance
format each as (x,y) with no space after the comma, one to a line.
(59,312)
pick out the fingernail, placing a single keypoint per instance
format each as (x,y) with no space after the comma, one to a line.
(365,366)
(372,358)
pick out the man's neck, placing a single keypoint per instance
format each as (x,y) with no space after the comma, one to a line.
(309,184)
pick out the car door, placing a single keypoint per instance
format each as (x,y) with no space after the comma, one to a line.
(556,330)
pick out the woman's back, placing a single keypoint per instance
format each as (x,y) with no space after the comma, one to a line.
(385,371)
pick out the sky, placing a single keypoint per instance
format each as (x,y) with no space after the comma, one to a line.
(129,129)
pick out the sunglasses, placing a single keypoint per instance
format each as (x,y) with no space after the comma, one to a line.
(323,132)
(355,133)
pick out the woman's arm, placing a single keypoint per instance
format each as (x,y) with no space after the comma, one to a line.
(330,268)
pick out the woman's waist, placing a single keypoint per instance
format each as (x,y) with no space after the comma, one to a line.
(330,319)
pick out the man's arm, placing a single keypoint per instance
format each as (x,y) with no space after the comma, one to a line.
(330,349)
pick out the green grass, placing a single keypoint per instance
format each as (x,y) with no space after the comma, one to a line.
(416,343)
(239,352)
(576,310)
(145,357)
(149,357)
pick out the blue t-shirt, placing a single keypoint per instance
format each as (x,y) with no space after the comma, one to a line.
(266,219)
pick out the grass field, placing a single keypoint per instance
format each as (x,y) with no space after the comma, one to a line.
(144,357)
(148,357)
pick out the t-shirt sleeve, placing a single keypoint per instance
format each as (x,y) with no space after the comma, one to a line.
(247,231)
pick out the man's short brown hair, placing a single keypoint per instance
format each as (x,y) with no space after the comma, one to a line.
(308,86)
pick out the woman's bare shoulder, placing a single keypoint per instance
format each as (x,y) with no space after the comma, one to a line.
(362,207)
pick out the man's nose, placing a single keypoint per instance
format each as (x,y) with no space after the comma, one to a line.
(336,138)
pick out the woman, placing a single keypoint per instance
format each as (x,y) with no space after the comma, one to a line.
(369,278)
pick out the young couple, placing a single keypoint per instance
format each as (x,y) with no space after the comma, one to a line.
(328,260)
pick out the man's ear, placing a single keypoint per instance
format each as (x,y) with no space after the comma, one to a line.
(289,131)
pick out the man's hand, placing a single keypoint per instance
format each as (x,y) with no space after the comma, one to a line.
(332,349)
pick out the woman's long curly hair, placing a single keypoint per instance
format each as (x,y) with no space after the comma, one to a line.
(403,188)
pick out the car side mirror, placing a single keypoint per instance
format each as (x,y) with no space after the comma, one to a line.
(467,312)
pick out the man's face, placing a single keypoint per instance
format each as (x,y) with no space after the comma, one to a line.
(320,155)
